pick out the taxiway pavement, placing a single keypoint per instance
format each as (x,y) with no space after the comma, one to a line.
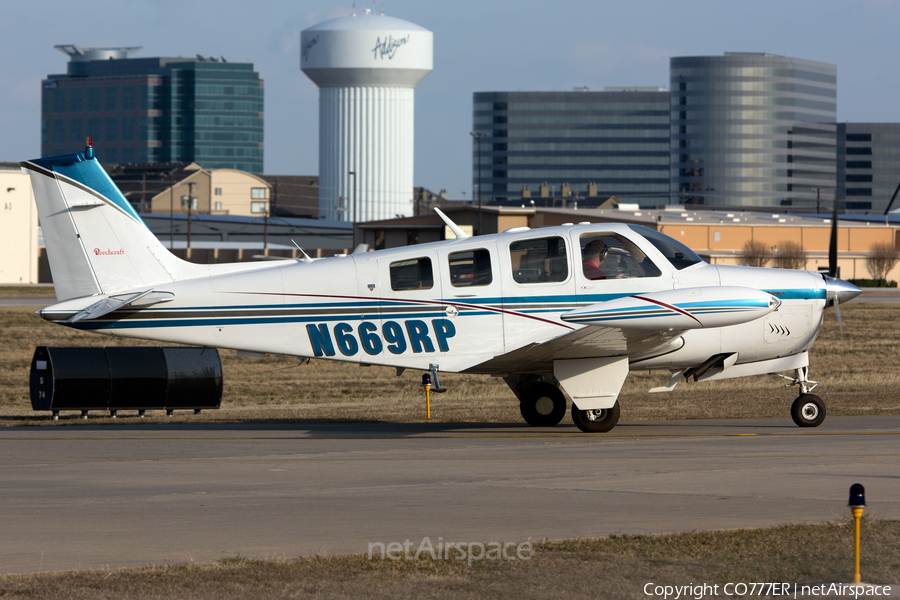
(120,495)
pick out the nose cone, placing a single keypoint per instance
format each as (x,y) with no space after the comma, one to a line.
(840,290)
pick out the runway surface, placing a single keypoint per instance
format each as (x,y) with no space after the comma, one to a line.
(95,496)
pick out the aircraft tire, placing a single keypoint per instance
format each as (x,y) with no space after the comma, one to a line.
(808,410)
(543,405)
(596,421)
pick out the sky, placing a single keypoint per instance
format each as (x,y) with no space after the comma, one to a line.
(479,45)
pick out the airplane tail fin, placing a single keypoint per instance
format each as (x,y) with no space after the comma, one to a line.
(96,242)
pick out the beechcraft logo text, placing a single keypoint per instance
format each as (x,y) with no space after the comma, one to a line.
(108,252)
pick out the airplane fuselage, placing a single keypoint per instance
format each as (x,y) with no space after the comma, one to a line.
(382,308)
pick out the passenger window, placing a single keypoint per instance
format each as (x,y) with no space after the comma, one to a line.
(412,274)
(470,268)
(541,260)
(611,256)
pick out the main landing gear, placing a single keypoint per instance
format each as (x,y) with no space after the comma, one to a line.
(808,410)
(596,421)
(542,405)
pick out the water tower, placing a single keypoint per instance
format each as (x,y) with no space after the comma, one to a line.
(366,66)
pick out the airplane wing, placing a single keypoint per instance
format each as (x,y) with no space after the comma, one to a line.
(587,342)
(637,327)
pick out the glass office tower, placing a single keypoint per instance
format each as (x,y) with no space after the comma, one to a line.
(868,166)
(752,130)
(599,144)
(155,110)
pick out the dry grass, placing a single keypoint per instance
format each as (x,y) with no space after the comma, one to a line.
(610,568)
(858,374)
(42,290)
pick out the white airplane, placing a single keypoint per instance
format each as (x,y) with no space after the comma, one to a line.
(570,308)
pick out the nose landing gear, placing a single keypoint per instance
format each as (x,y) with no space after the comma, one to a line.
(808,410)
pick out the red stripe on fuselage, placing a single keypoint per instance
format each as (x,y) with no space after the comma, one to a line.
(669,306)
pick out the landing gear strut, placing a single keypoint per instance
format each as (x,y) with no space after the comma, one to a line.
(808,410)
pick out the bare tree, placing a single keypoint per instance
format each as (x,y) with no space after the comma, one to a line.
(790,255)
(882,259)
(755,253)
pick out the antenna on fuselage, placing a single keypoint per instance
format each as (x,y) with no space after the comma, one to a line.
(306,257)
(459,233)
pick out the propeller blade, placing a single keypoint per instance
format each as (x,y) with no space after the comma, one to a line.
(837,313)
(832,246)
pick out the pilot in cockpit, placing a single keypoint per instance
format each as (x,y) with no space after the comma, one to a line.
(593,254)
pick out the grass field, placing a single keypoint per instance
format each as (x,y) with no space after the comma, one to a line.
(27,291)
(609,568)
(858,374)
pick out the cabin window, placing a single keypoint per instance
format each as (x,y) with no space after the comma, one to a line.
(675,252)
(415,274)
(539,261)
(611,256)
(470,268)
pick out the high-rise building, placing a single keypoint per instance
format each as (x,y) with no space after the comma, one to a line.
(752,130)
(588,145)
(366,66)
(868,167)
(151,110)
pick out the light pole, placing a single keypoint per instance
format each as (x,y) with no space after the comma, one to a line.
(190,203)
(172,210)
(354,207)
(478,135)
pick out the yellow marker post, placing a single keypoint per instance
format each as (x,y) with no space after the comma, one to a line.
(857,503)
(426,383)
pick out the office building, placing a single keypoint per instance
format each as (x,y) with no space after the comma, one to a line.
(752,130)
(582,145)
(868,167)
(152,110)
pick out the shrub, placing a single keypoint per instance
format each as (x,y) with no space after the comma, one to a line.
(882,258)
(755,253)
(790,255)
(873,283)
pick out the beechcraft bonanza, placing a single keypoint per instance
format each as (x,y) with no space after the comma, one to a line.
(531,306)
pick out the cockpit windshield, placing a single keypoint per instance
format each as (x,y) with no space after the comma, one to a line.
(675,252)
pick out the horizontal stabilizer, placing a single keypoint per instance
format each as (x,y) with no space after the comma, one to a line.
(688,308)
(86,309)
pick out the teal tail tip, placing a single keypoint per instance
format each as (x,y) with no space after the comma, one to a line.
(84,168)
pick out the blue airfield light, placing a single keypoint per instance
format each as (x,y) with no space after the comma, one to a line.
(426,379)
(857,496)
